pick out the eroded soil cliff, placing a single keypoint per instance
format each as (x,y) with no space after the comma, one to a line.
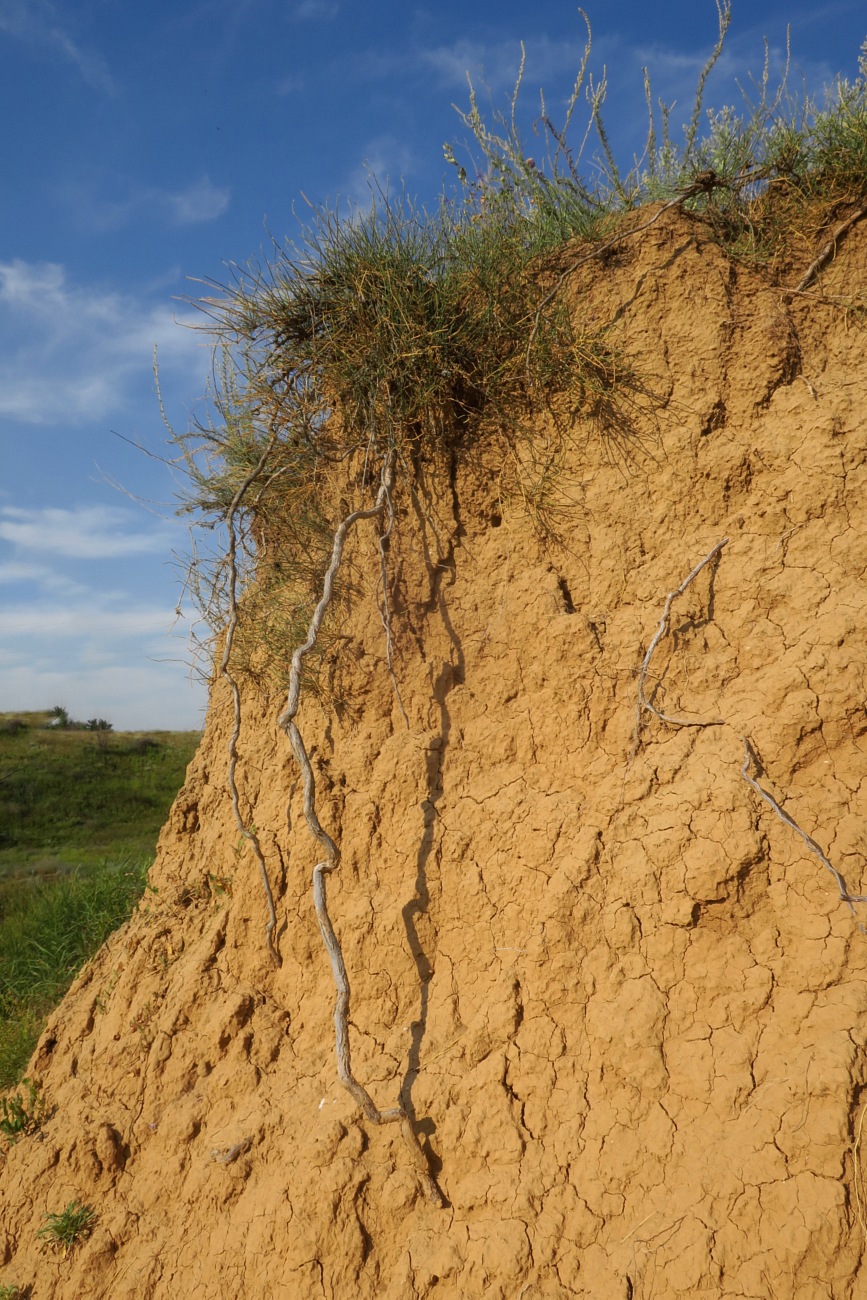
(622,998)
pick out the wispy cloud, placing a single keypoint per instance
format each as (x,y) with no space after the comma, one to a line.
(201,201)
(290,85)
(75,353)
(195,204)
(37,578)
(496,63)
(85,622)
(102,653)
(86,532)
(36,23)
(385,161)
(316,10)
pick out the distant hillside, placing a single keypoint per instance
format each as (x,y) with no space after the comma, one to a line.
(70,795)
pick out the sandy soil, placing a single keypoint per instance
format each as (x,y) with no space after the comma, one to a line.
(622,998)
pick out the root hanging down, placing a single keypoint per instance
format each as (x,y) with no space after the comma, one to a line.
(331,861)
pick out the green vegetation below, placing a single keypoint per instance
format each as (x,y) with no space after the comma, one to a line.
(80,813)
(69,797)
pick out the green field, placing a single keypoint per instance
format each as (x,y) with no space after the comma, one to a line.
(80,812)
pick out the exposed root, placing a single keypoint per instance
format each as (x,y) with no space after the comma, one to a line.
(750,758)
(829,252)
(248,832)
(331,862)
(644,704)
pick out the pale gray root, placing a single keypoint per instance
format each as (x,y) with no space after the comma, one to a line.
(248,832)
(829,252)
(644,704)
(750,757)
(331,862)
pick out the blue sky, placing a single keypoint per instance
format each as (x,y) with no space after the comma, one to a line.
(142,148)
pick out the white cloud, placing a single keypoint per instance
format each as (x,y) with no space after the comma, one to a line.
(87,621)
(73,354)
(100,654)
(37,577)
(36,23)
(496,63)
(133,697)
(86,532)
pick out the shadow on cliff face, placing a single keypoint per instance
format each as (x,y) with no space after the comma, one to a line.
(441,573)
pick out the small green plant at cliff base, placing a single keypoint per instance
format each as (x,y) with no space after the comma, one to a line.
(21,1116)
(69,1227)
(15,1292)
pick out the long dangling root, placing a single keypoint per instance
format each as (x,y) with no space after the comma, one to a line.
(331,862)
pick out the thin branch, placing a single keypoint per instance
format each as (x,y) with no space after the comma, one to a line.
(644,704)
(248,832)
(331,861)
(139,446)
(750,758)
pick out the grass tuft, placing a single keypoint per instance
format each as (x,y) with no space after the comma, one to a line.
(428,338)
(22,1115)
(69,1227)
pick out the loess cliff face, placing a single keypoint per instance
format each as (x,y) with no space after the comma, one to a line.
(622,998)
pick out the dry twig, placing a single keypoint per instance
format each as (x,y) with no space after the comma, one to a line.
(750,758)
(829,252)
(644,703)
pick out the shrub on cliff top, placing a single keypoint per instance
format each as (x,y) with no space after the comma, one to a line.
(405,333)
(395,334)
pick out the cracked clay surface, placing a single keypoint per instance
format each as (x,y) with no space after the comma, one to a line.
(623,1002)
